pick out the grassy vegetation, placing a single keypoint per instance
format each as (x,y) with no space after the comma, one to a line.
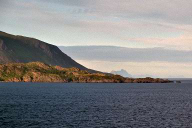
(39,71)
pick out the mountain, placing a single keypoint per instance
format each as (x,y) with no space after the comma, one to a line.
(122,72)
(24,49)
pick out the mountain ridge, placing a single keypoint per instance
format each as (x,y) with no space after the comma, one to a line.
(20,49)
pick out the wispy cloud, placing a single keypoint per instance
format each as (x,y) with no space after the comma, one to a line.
(182,42)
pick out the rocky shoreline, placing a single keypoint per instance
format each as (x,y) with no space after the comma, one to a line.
(40,72)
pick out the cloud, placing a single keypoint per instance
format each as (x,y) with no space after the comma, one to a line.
(123,54)
(175,11)
(172,11)
(182,42)
(142,23)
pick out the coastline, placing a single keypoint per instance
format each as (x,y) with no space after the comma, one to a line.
(40,72)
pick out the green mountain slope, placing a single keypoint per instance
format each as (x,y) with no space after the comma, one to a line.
(23,49)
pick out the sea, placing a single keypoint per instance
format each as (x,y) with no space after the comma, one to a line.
(88,105)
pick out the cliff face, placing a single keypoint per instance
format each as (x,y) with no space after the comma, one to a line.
(2,45)
(40,72)
(23,49)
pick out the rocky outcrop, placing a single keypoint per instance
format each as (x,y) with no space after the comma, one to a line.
(150,80)
(40,72)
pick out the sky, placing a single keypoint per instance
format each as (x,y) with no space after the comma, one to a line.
(139,62)
(165,26)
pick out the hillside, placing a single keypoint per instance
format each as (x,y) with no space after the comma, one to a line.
(40,72)
(23,50)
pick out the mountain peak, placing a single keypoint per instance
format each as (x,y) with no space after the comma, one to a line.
(121,72)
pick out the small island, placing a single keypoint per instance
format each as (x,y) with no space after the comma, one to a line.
(41,72)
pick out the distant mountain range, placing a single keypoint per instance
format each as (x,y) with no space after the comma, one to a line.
(24,49)
(121,72)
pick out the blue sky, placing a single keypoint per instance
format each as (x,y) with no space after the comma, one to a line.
(126,23)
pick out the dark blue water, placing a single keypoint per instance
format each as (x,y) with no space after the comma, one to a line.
(27,105)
